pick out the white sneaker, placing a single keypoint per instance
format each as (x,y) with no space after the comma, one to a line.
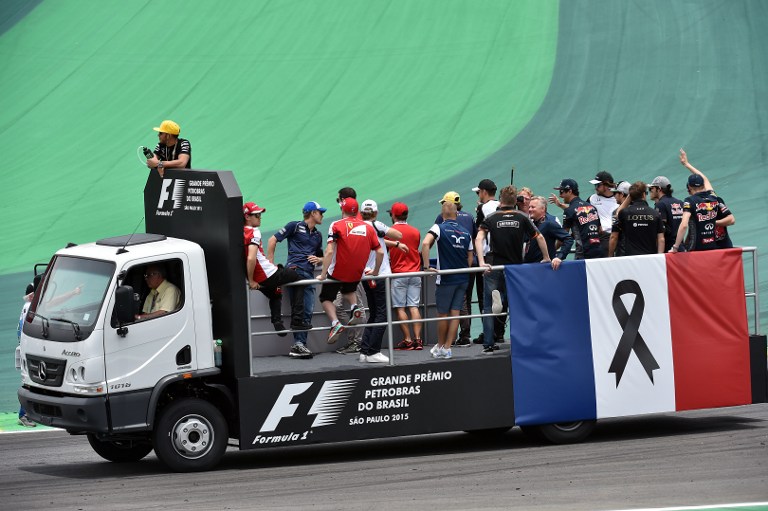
(435,351)
(496,305)
(446,353)
(378,358)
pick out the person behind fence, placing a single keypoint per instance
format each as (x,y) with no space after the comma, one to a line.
(581,219)
(702,215)
(406,291)
(467,221)
(171,152)
(163,297)
(486,204)
(621,194)
(640,224)
(454,251)
(375,291)
(305,251)
(508,229)
(722,238)
(354,336)
(350,242)
(551,231)
(670,208)
(605,204)
(266,277)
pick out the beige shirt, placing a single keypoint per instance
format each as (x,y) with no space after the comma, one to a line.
(164,298)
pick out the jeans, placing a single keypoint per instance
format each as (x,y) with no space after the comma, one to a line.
(491,282)
(377,313)
(309,301)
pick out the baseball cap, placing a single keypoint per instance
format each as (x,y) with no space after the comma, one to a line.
(485,184)
(348,205)
(622,187)
(451,197)
(602,177)
(369,205)
(568,184)
(695,180)
(168,127)
(660,181)
(250,208)
(313,206)
(398,209)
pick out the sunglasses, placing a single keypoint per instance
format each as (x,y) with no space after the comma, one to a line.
(152,274)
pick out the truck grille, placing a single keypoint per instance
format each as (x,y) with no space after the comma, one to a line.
(46,371)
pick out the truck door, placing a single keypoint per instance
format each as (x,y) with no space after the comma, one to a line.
(160,342)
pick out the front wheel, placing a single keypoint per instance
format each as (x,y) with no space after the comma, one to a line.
(561,433)
(191,435)
(120,451)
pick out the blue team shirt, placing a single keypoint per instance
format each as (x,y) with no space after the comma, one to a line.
(454,242)
(301,243)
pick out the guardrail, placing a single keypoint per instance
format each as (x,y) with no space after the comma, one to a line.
(754,295)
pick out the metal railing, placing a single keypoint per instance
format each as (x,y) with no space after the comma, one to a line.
(388,293)
(754,295)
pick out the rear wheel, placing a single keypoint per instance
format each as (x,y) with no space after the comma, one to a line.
(191,435)
(120,451)
(562,432)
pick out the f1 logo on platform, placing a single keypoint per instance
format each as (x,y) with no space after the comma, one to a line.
(175,194)
(328,404)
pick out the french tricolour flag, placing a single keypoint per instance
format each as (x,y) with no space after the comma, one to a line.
(628,336)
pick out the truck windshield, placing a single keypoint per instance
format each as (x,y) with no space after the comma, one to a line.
(70,300)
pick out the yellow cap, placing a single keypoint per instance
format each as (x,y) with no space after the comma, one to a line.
(169,127)
(451,197)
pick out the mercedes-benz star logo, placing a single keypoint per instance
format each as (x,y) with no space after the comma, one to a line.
(41,371)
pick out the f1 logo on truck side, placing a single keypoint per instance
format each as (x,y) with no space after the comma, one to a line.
(327,406)
(176,195)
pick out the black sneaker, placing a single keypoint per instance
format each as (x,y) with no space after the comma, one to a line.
(278,327)
(298,350)
(350,347)
(480,339)
(463,342)
(301,326)
(488,350)
(495,347)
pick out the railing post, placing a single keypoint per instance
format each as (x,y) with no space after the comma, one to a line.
(387,290)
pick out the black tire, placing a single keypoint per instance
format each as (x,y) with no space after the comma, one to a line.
(191,435)
(120,451)
(561,433)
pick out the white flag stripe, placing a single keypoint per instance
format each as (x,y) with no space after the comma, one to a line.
(635,393)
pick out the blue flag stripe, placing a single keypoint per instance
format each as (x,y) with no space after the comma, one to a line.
(552,368)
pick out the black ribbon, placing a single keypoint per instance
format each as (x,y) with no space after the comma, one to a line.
(630,337)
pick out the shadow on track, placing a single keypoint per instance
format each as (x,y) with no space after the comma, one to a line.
(613,430)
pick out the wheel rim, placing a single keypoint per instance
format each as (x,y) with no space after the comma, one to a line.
(192,436)
(568,426)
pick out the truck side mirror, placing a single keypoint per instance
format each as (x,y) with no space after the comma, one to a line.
(124,304)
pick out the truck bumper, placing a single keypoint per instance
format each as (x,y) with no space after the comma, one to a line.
(75,414)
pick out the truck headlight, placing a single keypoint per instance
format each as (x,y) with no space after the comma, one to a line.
(91,390)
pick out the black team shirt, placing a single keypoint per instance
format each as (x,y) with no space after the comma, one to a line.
(509,228)
(583,218)
(671,211)
(641,226)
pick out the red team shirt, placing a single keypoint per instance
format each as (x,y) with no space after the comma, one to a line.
(354,241)
(264,269)
(401,262)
